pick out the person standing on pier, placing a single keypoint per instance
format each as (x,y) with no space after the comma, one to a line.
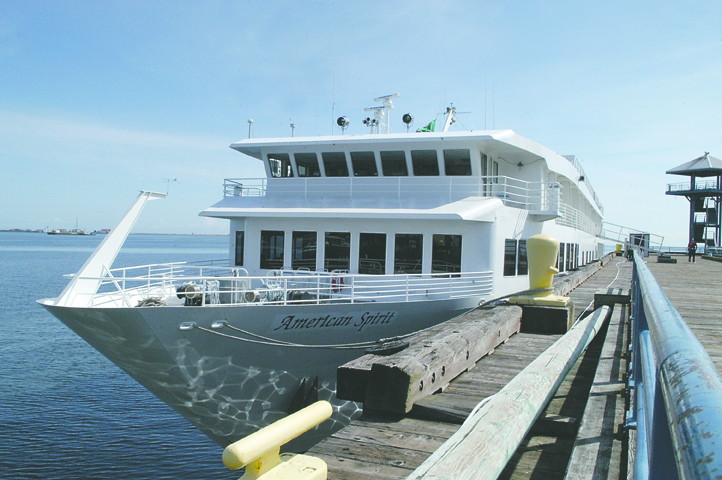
(692,251)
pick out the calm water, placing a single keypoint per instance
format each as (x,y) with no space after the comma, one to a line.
(65,411)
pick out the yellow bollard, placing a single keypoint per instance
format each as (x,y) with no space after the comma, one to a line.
(260,451)
(542,251)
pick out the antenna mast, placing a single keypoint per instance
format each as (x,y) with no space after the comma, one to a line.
(381,113)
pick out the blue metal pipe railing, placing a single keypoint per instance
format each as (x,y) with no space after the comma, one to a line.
(677,406)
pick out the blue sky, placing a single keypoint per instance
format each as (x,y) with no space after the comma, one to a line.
(101,99)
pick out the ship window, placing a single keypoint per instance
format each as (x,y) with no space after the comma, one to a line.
(372,253)
(523,265)
(271,249)
(509,257)
(576,255)
(568,256)
(304,250)
(495,171)
(446,254)
(393,164)
(335,164)
(560,258)
(338,251)
(408,253)
(307,165)
(425,162)
(280,164)
(240,238)
(364,164)
(457,162)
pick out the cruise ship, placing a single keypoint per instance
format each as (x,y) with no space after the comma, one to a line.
(349,242)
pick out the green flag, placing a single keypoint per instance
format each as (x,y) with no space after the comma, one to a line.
(428,128)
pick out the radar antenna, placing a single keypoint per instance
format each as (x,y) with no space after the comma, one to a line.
(381,113)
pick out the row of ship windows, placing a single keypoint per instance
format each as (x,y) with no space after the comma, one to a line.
(408,252)
(516,261)
(363,164)
(569,257)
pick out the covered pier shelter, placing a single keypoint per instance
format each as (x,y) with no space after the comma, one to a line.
(704,192)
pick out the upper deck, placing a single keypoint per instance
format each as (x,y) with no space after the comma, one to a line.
(416,169)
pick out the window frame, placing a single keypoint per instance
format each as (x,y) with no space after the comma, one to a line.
(447,253)
(364,270)
(422,165)
(298,263)
(240,247)
(270,262)
(404,247)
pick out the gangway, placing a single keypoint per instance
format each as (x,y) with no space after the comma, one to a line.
(631,237)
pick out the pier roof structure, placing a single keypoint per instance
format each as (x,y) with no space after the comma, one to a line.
(705,197)
(704,166)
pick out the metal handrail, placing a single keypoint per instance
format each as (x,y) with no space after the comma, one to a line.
(677,405)
(279,287)
(513,192)
(698,185)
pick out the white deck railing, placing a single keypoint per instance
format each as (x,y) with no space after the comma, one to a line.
(698,185)
(217,286)
(535,196)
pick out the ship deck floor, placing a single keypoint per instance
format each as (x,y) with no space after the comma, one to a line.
(383,447)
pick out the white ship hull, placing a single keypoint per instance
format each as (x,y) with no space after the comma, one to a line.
(229,388)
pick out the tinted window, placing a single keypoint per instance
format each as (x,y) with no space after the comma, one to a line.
(393,164)
(457,162)
(338,251)
(372,253)
(271,250)
(240,237)
(523,264)
(560,258)
(304,250)
(307,165)
(364,164)
(509,257)
(280,164)
(425,162)
(408,253)
(446,254)
(334,163)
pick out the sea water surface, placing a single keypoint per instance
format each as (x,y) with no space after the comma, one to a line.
(66,412)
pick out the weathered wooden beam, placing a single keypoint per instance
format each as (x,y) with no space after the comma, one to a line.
(394,383)
(484,444)
(611,296)
(547,320)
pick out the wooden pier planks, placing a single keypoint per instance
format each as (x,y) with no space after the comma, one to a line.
(392,447)
(695,290)
(599,440)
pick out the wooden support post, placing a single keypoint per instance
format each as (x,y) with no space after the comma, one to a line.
(394,383)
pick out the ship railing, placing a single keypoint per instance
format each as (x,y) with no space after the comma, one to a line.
(132,286)
(572,217)
(540,196)
(627,236)
(677,390)
(698,185)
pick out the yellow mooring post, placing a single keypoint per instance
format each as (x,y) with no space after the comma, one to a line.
(260,451)
(542,251)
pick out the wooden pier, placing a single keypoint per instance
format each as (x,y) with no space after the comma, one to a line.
(578,435)
(695,290)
